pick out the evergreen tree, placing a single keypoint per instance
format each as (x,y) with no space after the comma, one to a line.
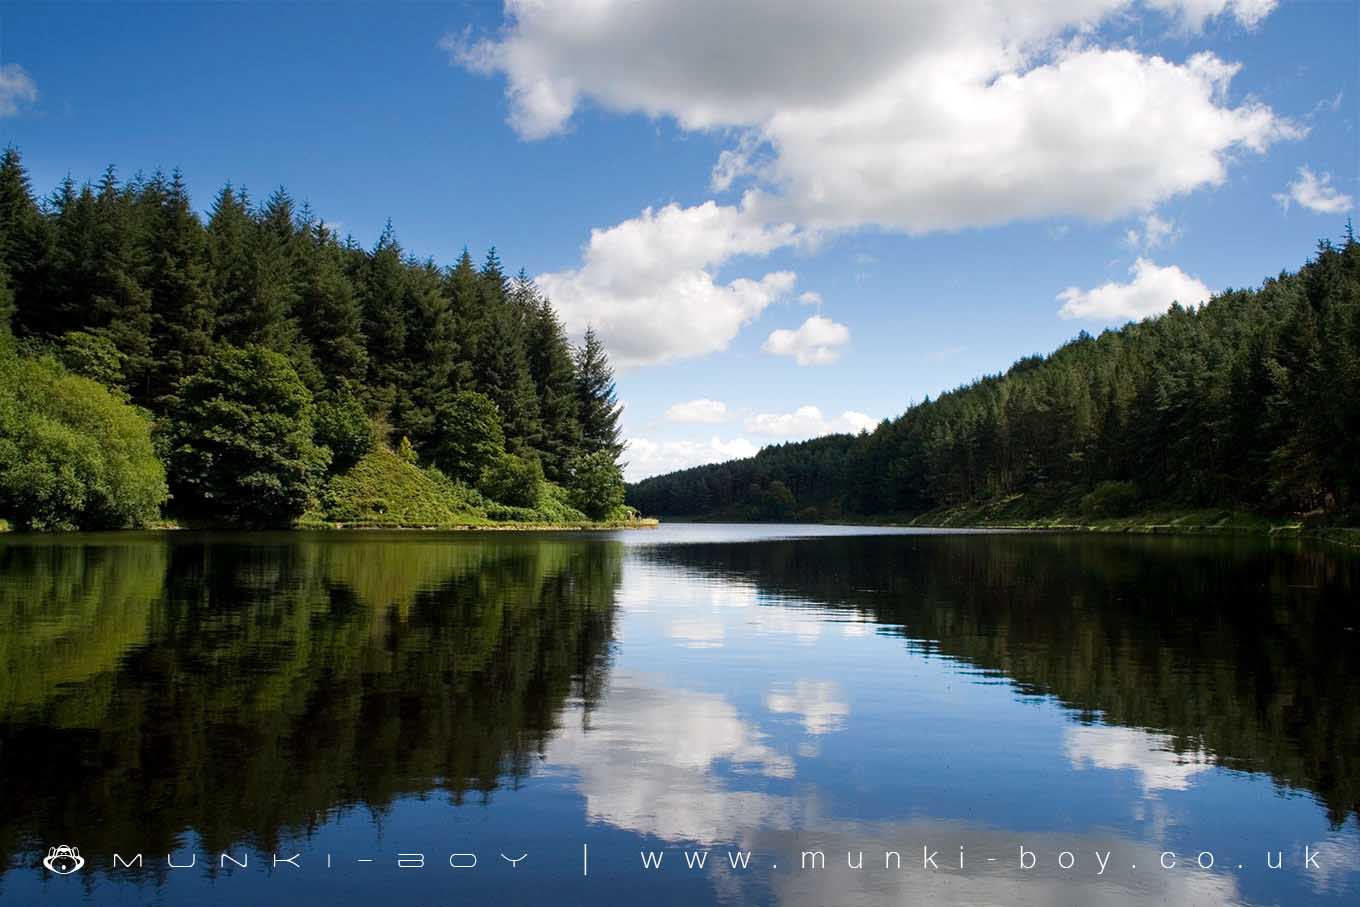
(596,398)
(121,306)
(383,292)
(431,351)
(554,376)
(330,314)
(503,376)
(178,276)
(462,287)
(23,241)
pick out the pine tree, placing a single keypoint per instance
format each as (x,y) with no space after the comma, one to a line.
(431,351)
(329,312)
(596,398)
(23,240)
(503,375)
(121,304)
(19,214)
(550,365)
(178,276)
(253,261)
(462,286)
(385,323)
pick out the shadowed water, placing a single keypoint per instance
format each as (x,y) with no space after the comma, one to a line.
(596,701)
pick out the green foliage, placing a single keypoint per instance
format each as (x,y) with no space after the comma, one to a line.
(407,452)
(342,425)
(596,399)
(513,480)
(73,455)
(467,436)
(240,440)
(596,484)
(93,355)
(384,489)
(1250,402)
(1111,499)
(133,288)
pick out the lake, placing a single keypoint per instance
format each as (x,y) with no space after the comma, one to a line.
(696,714)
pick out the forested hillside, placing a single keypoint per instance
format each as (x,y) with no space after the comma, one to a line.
(236,365)
(1250,402)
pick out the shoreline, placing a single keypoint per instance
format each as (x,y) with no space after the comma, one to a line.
(171,526)
(1169,523)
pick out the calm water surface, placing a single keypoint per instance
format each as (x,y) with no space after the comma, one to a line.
(561,708)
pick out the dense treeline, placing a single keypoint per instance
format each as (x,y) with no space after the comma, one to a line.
(1251,402)
(264,354)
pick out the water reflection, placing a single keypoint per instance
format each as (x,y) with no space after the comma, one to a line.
(1236,651)
(248,691)
(837,694)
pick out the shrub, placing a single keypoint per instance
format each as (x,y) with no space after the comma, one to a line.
(1111,499)
(240,440)
(513,480)
(73,455)
(342,425)
(467,436)
(93,355)
(595,482)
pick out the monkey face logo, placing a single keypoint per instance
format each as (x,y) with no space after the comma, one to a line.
(63,860)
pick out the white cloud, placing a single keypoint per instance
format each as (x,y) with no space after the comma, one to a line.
(815,342)
(1152,756)
(17,89)
(1192,14)
(811,297)
(1151,292)
(701,411)
(912,117)
(920,117)
(1155,233)
(651,458)
(646,756)
(818,704)
(647,285)
(808,422)
(1316,193)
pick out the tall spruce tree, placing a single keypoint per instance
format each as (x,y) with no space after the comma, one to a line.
(597,399)
(23,243)
(431,351)
(554,375)
(383,289)
(178,276)
(329,312)
(121,305)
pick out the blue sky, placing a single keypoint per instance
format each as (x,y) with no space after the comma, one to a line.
(949,180)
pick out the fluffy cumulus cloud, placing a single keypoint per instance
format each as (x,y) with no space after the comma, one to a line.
(807,422)
(817,341)
(697,412)
(920,117)
(646,457)
(647,285)
(912,117)
(1316,193)
(1152,289)
(17,89)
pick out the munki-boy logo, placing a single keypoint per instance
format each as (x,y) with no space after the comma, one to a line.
(63,860)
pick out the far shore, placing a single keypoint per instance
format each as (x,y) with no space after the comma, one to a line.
(1181,523)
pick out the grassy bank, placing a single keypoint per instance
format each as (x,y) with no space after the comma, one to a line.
(385,491)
